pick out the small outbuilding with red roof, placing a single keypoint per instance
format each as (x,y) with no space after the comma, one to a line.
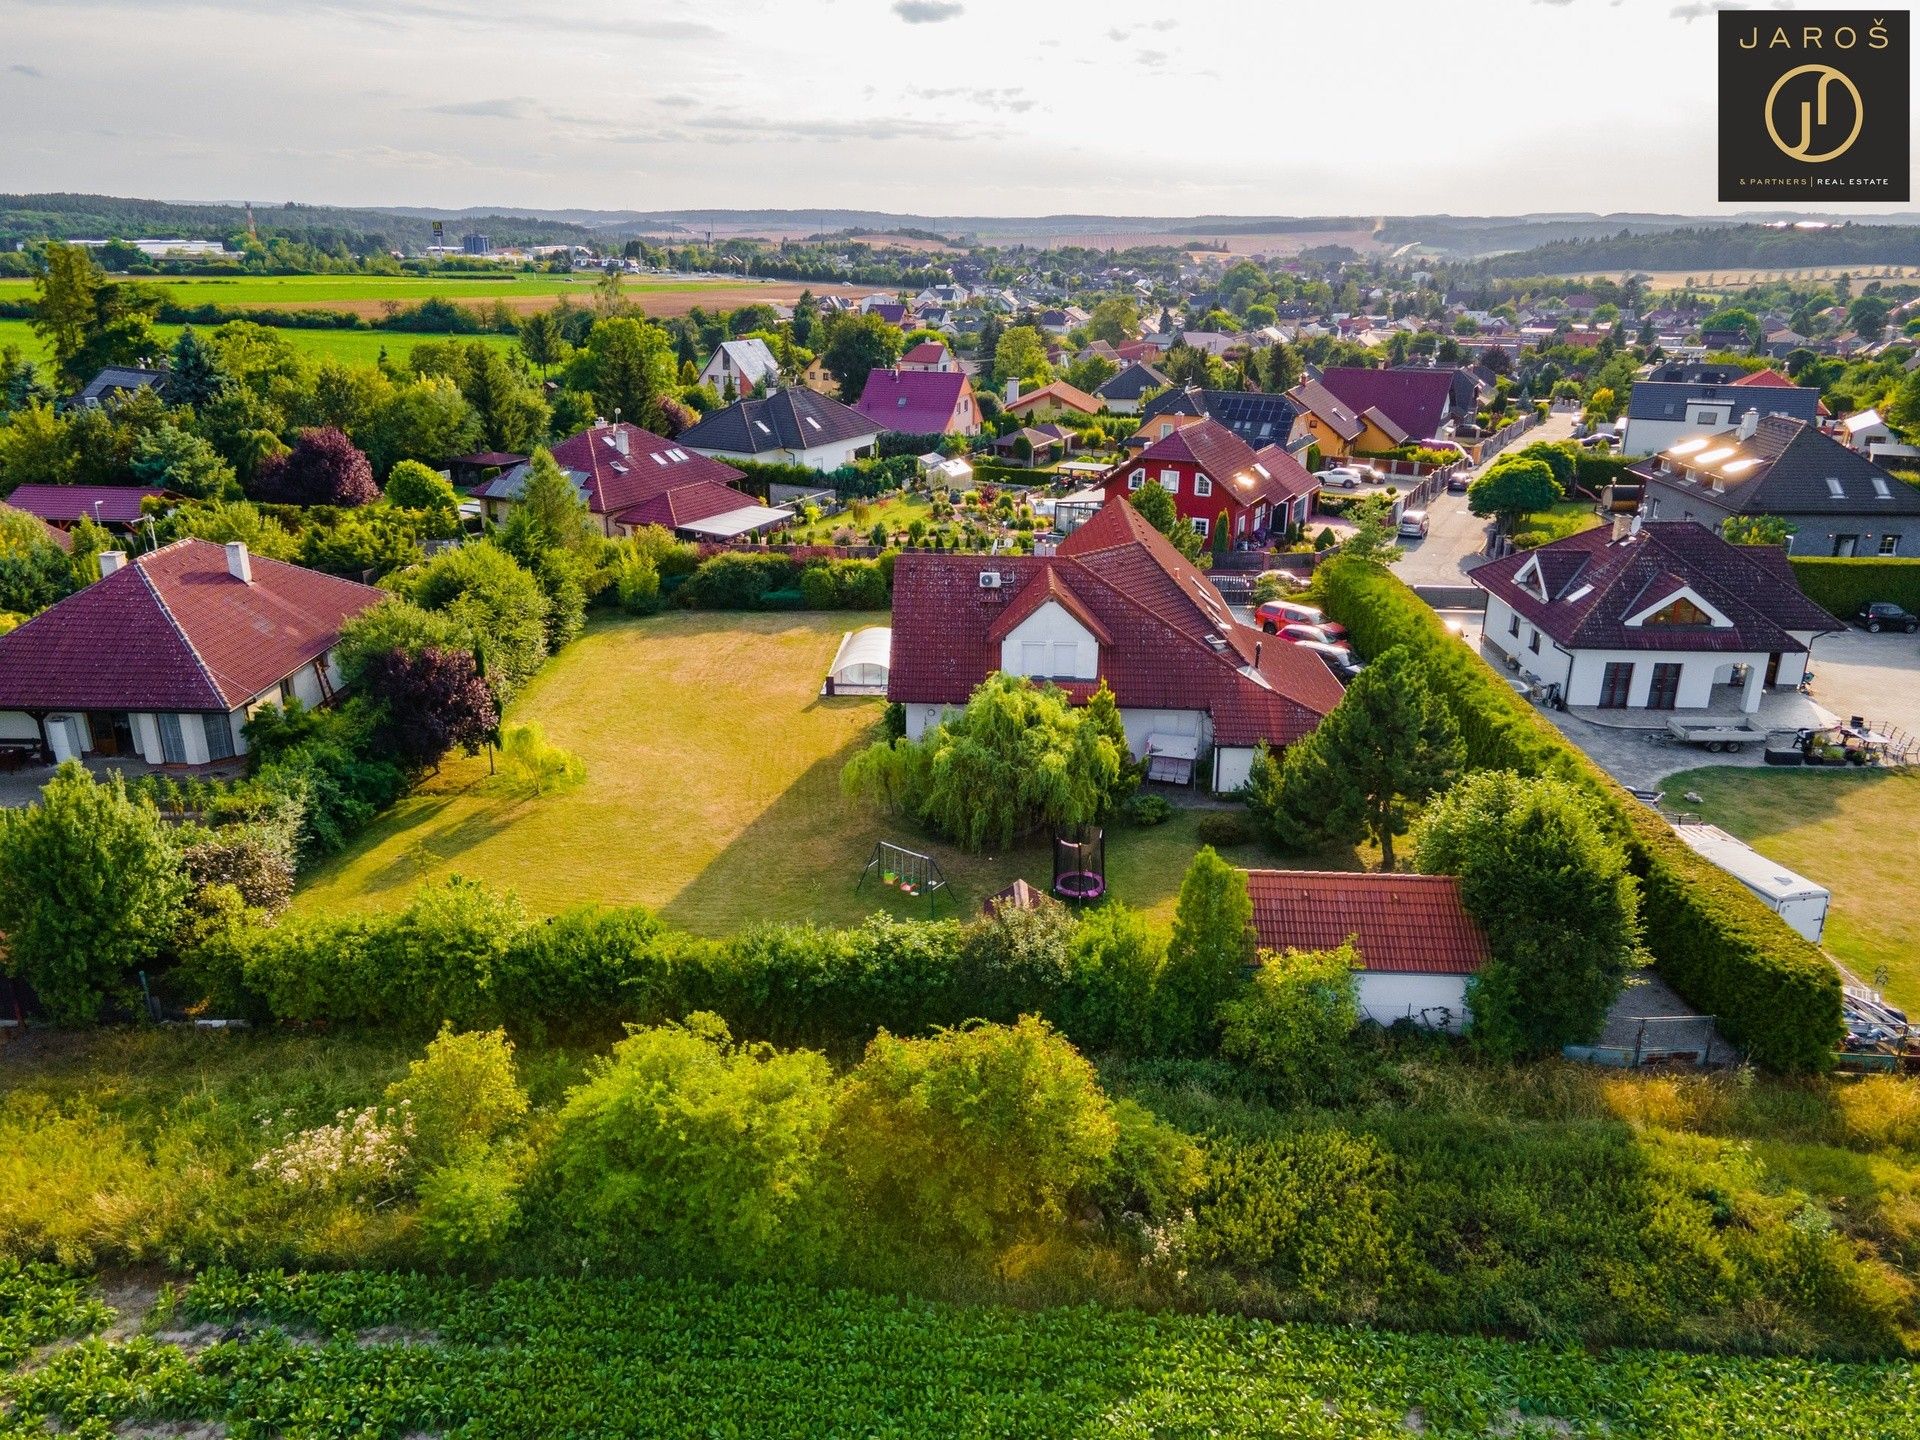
(1197,690)
(168,655)
(1419,948)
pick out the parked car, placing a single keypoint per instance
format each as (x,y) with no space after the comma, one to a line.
(1885,615)
(1339,477)
(1275,613)
(1457,482)
(1414,523)
(1340,660)
(1297,632)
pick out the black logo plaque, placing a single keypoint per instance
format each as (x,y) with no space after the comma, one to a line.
(1814,105)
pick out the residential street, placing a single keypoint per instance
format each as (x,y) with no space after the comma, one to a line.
(1452,546)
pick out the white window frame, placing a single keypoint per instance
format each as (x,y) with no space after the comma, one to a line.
(1203,485)
(1136,479)
(1889,545)
(1202,525)
(1170,481)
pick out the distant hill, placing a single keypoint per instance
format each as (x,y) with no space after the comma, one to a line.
(1724,247)
(106,217)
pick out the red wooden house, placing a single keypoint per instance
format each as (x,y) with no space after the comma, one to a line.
(1212,473)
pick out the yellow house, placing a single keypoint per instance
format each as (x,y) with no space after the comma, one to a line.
(1336,428)
(817,378)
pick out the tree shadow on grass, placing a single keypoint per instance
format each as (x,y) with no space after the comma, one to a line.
(424,843)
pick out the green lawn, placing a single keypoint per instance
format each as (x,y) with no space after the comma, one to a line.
(1855,831)
(712,794)
(1569,517)
(360,347)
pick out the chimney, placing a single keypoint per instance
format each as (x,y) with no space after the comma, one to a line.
(1749,423)
(620,441)
(110,561)
(1620,526)
(1013,389)
(239,563)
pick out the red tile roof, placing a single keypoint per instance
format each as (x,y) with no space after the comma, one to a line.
(613,479)
(65,504)
(173,630)
(1167,639)
(1235,468)
(915,402)
(1060,393)
(51,532)
(684,504)
(927,352)
(1404,924)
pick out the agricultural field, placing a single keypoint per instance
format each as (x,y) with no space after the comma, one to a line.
(357,347)
(1856,832)
(372,1355)
(1740,279)
(712,794)
(371,296)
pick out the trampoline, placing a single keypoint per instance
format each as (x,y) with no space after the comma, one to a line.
(1080,863)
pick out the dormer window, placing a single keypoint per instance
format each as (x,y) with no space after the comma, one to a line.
(1679,611)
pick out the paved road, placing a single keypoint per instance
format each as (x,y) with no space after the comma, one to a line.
(1454,541)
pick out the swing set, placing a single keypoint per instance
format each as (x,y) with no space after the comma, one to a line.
(907,871)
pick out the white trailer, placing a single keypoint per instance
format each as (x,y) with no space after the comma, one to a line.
(1794,898)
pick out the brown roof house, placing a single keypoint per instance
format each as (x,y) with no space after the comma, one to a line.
(165,657)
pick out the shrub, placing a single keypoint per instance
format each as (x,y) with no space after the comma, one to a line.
(1771,992)
(1114,964)
(1223,828)
(1841,587)
(844,585)
(1144,808)
(529,762)
(324,467)
(90,890)
(638,588)
(462,1095)
(735,580)
(1293,1023)
(970,1140)
(686,1151)
(1208,956)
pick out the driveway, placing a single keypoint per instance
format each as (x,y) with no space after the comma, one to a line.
(1455,538)
(1876,677)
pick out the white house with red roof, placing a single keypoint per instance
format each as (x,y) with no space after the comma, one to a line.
(1664,615)
(929,355)
(632,478)
(1211,472)
(921,402)
(1419,948)
(1197,690)
(167,656)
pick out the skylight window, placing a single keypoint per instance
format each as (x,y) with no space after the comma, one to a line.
(1580,594)
(761,426)
(659,459)
(676,454)
(1687,447)
(811,421)
(1265,474)
(1880,489)
(618,468)
(1834,488)
(1707,457)
(1740,467)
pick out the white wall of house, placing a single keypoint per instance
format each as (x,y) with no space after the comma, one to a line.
(1513,634)
(1387,996)
(1650,436)
(1051,645)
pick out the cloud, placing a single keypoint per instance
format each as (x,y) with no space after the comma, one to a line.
(32,72)
(927,12)
(506,108)
(1700,9)
(1152,59)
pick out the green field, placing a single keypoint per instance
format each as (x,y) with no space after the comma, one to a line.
(1856,832)
(359,347)
(712,794)
(362,1354)
(273,290)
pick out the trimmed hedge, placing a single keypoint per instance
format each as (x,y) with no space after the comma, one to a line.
(1772,993)
(1841,587)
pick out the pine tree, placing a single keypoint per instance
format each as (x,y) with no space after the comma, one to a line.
(1387,747)
(197,374)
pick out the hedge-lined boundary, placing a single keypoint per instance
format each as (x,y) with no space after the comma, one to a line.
(1773,993)
(1841,587)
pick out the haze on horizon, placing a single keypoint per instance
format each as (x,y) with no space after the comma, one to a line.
(937,107)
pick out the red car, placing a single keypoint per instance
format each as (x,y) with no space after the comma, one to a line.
(1275,613)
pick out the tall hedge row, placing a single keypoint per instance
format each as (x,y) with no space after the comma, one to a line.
(1773,993)
(1841,587)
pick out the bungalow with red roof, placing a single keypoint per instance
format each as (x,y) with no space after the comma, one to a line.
(167,656)
(920,402)
(1197,690)
(117,507)
(631,478)
(1419,948)
(1215,477)
(1653,615)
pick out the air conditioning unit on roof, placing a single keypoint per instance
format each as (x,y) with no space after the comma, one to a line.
(989,579)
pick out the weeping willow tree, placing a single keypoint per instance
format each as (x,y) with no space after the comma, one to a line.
(1019,757)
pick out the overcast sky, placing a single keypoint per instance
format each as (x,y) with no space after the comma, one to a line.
(934,106)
